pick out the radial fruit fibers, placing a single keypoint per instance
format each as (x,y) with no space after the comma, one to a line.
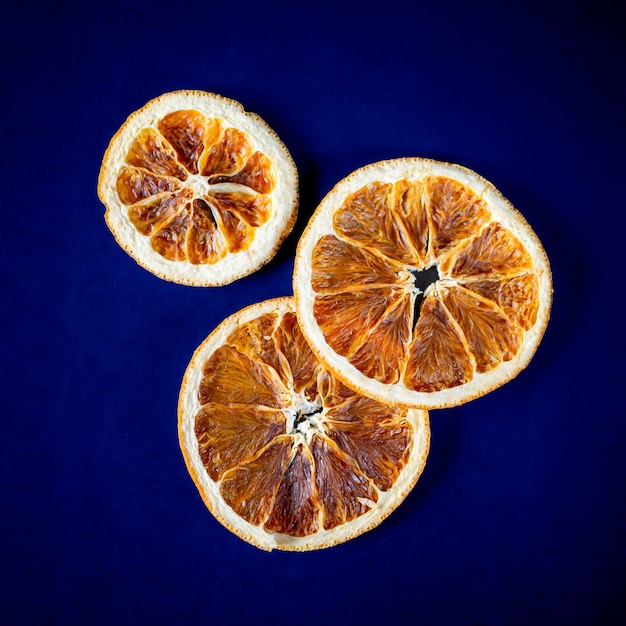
(197,190)
(416,282)
(283,454)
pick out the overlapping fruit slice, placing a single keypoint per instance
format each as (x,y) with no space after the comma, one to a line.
(416,282)
(197,190)
(284,454)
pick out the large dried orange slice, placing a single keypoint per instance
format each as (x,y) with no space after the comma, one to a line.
(283,454)
(197,190)
(416,282)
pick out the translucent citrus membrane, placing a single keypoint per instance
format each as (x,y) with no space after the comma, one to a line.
(419,286)
(292,449)
(196,187)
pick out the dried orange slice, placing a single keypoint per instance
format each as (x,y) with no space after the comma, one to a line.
(197,190)
(283,454)
(416,282)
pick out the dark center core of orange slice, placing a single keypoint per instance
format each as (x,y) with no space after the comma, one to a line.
(423,279)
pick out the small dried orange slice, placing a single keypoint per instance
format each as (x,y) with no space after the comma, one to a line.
(283,454)
(197,190)
(416,282)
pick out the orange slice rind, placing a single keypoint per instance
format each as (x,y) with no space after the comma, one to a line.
(283,454)
(417,283)
(197,190)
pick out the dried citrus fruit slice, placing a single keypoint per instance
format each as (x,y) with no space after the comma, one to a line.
(197,190)
(416,282)
(283,454)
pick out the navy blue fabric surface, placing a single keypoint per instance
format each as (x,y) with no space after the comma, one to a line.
(519,517)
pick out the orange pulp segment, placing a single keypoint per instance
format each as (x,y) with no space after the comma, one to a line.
(410,286)
(284,454)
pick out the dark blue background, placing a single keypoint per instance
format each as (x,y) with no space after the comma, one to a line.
(520,515)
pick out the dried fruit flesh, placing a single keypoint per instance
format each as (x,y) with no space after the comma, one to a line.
(409,286)
(284,454)
(190,181)
(198,189)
